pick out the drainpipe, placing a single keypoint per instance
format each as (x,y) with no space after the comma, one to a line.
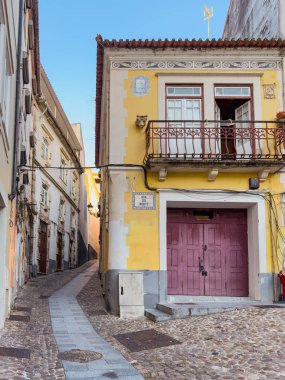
(17,102)
(283,79)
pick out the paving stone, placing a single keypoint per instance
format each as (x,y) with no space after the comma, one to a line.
(240,344)
(74,324)
(34,336)
(245,342)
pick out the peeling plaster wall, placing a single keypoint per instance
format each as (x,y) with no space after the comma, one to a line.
(118,250)
(118,131)
(255,19)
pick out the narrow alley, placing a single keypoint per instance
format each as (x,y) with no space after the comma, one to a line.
(208,347)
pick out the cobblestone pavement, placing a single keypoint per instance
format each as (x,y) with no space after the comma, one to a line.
(75,335)
(241,344)
(36,334)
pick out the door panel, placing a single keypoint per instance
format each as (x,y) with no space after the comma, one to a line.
(237,260)
(43,248)
(192,238)
(59,252)
(174,270)
(244,145)
(214,259)
(179,141)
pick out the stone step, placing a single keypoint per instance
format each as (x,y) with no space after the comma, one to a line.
(168,311)
(157,316)
(179,311)
(203,310)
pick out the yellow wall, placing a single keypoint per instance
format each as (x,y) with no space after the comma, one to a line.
(93,195)
(143,237)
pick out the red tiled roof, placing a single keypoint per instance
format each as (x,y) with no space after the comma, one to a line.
(163,44)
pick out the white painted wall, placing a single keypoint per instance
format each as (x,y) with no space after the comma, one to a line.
(255,19)
(10,277)
(117,130)
(55,191)
(118,249)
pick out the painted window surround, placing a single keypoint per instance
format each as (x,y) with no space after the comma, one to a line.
(209,81)
(44,196)
(255,206)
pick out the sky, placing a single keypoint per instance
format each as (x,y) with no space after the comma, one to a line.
(68,48)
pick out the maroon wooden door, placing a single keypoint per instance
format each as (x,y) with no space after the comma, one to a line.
(174,255)
(236,260)
(43,247)
(185,251)
(192,256)
(208,258)
(59,252)
(214,260)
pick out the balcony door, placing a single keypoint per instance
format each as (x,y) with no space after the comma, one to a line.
(233,104)
(183,138)
(243,142)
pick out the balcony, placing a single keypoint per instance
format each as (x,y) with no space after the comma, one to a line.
(222,144)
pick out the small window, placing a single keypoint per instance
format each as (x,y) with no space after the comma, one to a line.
(7,72)
(232,91)
(45,147)
(63,173)
(44,194)
(184,91)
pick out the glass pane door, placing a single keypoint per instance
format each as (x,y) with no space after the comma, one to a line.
(184,138)
(243,143)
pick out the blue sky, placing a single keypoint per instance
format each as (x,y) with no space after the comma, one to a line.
(68,49)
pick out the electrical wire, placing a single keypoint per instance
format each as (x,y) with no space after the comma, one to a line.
(267,196)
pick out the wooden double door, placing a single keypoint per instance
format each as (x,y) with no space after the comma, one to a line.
(207,257)
(59,255)
(43,247)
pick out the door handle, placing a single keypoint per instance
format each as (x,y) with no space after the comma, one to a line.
(204,273)
(122,290)
(201,267)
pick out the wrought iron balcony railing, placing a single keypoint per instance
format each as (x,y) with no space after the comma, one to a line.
(235,142)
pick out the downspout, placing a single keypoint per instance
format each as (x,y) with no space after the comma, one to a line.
(283,79)
(17,102)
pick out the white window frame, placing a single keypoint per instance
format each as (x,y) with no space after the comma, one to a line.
(210,80)
(44,194)
(241,88)
(45,149)
(63,170)
(177,88)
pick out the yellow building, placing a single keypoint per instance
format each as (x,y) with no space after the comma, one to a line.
(191,156)
(93,195)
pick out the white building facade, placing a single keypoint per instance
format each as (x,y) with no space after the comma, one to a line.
(18,52)
(56,186)
(263,19)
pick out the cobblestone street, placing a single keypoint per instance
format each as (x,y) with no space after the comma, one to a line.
(241,344)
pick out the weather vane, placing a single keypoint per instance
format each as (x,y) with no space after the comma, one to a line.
(208,14)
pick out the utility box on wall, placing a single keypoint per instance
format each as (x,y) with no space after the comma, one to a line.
(131,294)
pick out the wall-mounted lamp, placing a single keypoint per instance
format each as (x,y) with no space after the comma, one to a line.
(91,212)
(90,206)
(141,121)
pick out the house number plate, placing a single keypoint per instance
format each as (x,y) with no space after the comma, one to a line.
(144,201)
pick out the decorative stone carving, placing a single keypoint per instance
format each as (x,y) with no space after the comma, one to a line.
(269,91)
(141,121)
(140,87)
